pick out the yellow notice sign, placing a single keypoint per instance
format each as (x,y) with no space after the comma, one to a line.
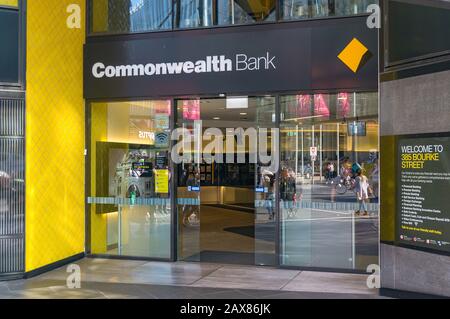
(162,181)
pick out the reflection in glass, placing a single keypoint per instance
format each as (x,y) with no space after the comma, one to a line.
(322,153)
(321,108)
(245,11)
(221,213)
(150,15)
(128,16)
(266,214)
(350,7)
(194,13)
(304,9)
(189,185)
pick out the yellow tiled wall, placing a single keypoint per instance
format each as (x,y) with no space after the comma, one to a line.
(55,134)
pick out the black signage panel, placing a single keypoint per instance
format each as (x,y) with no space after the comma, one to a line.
(250,59)
(423,212)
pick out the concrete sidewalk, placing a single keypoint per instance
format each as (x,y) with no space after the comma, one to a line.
(109,278)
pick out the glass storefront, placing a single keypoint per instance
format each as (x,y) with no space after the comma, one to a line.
(329,143)
(272,176)
(230,12)
(130,16)
(304,9)
(130,178)
(307,212)
(193,14)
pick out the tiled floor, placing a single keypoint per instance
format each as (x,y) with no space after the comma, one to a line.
(107,278)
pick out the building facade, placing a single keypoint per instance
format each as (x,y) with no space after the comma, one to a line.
(42,222)
(231,64)
(94,171)
(414,112)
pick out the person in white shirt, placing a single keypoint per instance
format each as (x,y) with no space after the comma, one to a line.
(362,192)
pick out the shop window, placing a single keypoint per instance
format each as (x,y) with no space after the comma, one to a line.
(206,13)
(130,179)
(417,31)
(129,16)
(194,13)
(245,11)
(304,9)
(325,140)
(9,39)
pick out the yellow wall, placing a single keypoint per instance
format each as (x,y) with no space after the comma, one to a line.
(99,133)
(55,134)
(11,3)
(388,188)
(100,17)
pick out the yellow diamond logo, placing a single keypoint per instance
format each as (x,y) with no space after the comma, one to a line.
(355,55)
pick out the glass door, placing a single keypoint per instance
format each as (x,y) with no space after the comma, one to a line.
(188,183)
(266,213)
(226,188)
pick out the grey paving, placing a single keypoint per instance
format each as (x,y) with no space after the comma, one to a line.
(308,281)
(113,279)
(240,277)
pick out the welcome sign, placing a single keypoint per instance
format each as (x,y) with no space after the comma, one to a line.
(295,56)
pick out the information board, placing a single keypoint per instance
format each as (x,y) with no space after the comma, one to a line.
(423,212)
(162,181)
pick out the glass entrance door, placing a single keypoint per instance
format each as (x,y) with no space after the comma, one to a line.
(266,187)
(188,183)
(222,217)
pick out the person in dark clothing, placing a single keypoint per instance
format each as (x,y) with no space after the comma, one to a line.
(287,186)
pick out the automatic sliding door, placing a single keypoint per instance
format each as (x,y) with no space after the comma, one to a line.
(188,184)
(266,214)
(237,222)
